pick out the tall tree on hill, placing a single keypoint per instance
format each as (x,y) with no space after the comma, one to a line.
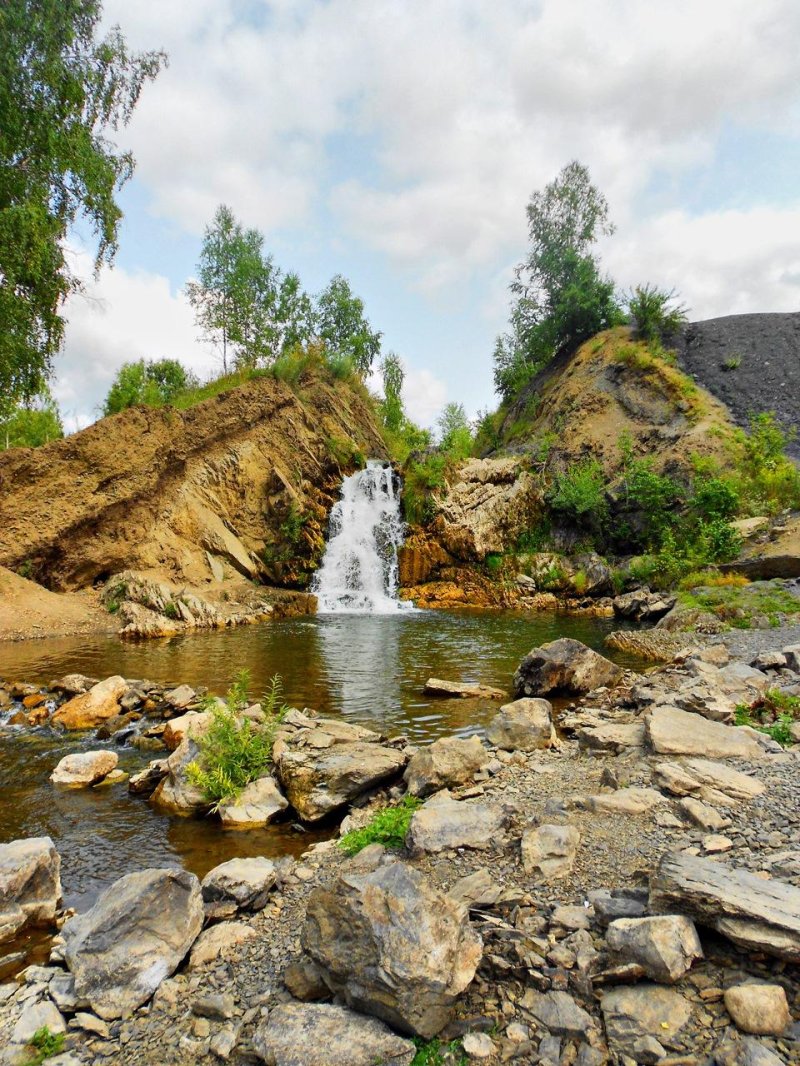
(560,297)
(61,90)
(344,327)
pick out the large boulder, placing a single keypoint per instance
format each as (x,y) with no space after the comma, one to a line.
(447,763)
(642,605)
(176,793)
(759,1009)
(757,915)
(258,804)
(93,707)
(245,882)
(523,725)
(663,947)
(564,665)
(638,1020)
(321,1034)
(324,764)
(30,884)
(83,769)
(671,731)
(393,946)
(444,823)
(137,933)
(712,782)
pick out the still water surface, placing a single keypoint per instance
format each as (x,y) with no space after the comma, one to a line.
(370,669)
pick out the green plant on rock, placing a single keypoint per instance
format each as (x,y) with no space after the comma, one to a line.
(294,523)
(388,827)
(234,750)
(655,313)
(435,1053)
(579,493)
(46,1044)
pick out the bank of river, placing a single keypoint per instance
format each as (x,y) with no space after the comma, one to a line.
(369,668)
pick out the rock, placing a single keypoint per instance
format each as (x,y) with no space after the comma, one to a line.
(792,654)
(90,1023)
(448,762)
(135,935)
(671,731)
(74,684)
(711,782)
(36,1016)
(759,1009)
(179,698)
(769,659)
(194,724)
(756,914)
(665,946)
(642,605)
(323,1035)
(435,686)
(550,850)
(219,941)
(392,945)
(563,666)
(476,890)
(478,1046)
(93,707)
(615,737)
(245,882)
(83,769)
(444,823)
(646,1011)
(258,804)
(146,780)
(30,884)
(220,1008)
(702,815)
(558,1012)
(305,980)
(176,794)
(713,844)
(632,800)
(524,725)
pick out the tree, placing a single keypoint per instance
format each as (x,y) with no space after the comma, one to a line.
(341,323)
(455,433)
(61,91)
(393,378)
(31,424)
(154,382)
(559,295)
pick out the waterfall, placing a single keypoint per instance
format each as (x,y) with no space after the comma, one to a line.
(359,569)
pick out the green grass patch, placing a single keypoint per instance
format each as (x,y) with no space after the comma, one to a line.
(435,1053)
(739,605)
(388,827)
(774,713)
(46,1044)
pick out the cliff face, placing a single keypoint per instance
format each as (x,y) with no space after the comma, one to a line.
(239,484)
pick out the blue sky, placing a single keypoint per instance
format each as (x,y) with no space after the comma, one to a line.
(397,142)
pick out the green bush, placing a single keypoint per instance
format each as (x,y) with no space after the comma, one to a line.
(435,1053)
(580,493)
(388,827)
(654,313)
(235,751)
(46,1044)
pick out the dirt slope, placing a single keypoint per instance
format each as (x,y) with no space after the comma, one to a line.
(750,362)
(188,495)
(29,611)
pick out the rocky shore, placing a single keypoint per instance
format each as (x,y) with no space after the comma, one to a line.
(618,881)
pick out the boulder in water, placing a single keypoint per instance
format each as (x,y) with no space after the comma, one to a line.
(93,707)
(564,665)
(83,769)
(30,884)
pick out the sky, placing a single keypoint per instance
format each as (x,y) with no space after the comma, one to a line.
(397,142)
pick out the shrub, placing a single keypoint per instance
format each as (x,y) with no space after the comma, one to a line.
(713,579)
(388,827)
(580,493)
(715,498)
(654,312)
(435,1053)
(46,1044)
(235,751)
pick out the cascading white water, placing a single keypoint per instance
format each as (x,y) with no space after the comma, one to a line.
(359,569)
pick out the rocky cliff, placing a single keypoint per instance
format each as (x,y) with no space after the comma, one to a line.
(240,484)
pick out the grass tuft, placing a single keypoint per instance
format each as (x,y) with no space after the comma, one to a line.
(388,827)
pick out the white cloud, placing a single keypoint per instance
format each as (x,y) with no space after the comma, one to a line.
(424,396)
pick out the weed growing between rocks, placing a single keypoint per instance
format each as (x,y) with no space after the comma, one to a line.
(388,827)
(774,713)
(435,1053)
(234,750)
(46,1044)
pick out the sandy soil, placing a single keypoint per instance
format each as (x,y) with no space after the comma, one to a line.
(28,611)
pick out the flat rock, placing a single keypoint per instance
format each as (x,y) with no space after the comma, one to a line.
(324,1035)
(179,698)
(37,1016)
(444,823)
(524,725)
(193,723)
(83,769)
(258,804)
(564,666)
(435,686)
(135,935)
(93,707)
(476,890)
(30,884)
(558,1012)
(703,815)
(612,736)
(664,947)
(632,800)
(759,1009)
(550,850)
(756,914)
(219,942)
(671,731)
(393,946)
(711,782)
(246,882)
(447,763)
(646,1011)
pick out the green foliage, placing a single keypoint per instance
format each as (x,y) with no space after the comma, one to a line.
(63,93)
(494,563)
(152,382)
(31,424)
(294,523)
(435,1053)
(393,377)
(560,297)
(654,313)
(388,827)
(738,604)
(535,538)
(234,750)
(733,363)
(46,1044)
(344,452)
(653,495)
(774,714)
(455,433)
(422,477)
(343,326)
(768,481)
(579,493)
(487,431)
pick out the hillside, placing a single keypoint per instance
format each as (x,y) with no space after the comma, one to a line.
(240,484)
(750,362)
